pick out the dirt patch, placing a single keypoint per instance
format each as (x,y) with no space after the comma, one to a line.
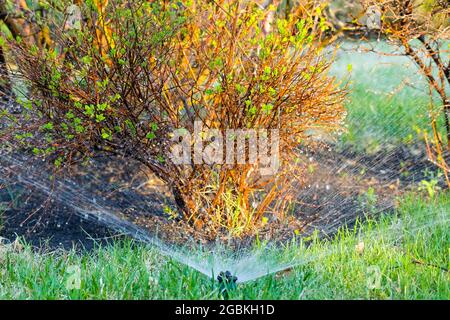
(55,228)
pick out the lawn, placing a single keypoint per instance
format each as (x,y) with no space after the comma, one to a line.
(403,255)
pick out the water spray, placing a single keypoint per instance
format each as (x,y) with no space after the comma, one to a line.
(247,265)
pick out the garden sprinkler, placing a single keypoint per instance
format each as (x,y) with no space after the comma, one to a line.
(227,282)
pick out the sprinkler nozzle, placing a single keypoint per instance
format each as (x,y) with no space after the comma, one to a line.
(226,282)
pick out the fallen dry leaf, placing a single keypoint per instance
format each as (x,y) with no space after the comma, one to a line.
(360,247)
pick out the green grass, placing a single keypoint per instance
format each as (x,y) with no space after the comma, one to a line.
(405,256)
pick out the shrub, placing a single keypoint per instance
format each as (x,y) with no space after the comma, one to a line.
(133,73)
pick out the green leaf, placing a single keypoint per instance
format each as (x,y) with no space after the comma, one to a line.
(99,118)
(58,162)
(70,115)
(89,110)
(48,126)
(79,129)
(267,107)
(106,134)
(265,220)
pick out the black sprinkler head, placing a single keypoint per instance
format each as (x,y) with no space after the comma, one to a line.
(227,282)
